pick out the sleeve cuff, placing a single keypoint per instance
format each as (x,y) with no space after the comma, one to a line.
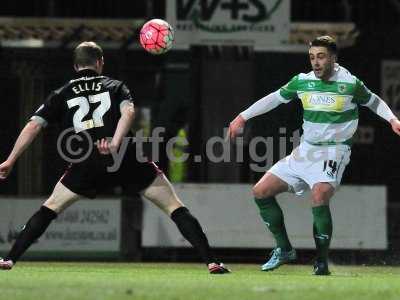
(123,103)
(244,115)
(39,120)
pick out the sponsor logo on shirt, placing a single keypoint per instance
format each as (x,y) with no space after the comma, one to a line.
(325,102)
(322,100)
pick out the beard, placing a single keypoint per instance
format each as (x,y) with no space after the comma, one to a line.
(325,72)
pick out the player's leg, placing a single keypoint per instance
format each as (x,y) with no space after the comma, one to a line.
(162,194)
(324,176)
(321,193)
(264,193)
(60,199)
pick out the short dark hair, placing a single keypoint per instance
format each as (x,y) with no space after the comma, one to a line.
(87,54)
(325,41)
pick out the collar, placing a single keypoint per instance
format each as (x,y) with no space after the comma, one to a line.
(336,69)
(86,73)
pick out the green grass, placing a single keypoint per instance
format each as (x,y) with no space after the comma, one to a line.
(97,281)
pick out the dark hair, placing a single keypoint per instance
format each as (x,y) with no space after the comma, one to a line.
(87,54)
(325,41)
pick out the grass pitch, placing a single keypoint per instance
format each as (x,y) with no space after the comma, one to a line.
(97,281)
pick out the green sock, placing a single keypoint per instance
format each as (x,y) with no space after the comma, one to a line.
(322,229)
(272,215)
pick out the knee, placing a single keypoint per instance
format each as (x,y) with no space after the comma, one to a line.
(170,208)
(321,194)
(50,213)
(167,202)
(261,192)
(57,208)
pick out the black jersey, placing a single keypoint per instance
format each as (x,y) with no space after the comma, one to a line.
(89,107)
(88,102)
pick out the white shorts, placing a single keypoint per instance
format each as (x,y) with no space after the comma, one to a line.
(309,164)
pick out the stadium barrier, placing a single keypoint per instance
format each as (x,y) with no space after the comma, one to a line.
(110,227)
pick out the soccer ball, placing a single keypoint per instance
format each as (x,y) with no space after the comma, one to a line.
(156,36)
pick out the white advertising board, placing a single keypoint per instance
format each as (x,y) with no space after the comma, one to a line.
(88,225)
(230,218)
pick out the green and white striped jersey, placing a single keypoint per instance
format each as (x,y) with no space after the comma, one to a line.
(330,107)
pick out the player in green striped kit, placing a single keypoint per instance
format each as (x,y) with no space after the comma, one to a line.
(330,96)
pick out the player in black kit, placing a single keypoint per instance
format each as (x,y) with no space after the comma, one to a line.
(95,107)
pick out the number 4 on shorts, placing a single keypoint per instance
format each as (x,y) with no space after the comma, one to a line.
(332,165)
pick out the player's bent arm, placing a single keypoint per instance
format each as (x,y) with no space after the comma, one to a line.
(379,107)
(124,123)
(263,105)
(25,138)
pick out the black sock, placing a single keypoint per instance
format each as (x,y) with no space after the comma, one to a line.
(192,231)
(35,227)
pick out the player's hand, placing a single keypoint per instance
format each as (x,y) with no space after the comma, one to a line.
(395,126)
(5,169)
(106,147)
(236,127)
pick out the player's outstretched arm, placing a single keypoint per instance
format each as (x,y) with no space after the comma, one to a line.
(262,106)
(123,127)
(379,107)
(25,138)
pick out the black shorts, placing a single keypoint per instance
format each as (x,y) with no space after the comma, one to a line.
(90,177)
